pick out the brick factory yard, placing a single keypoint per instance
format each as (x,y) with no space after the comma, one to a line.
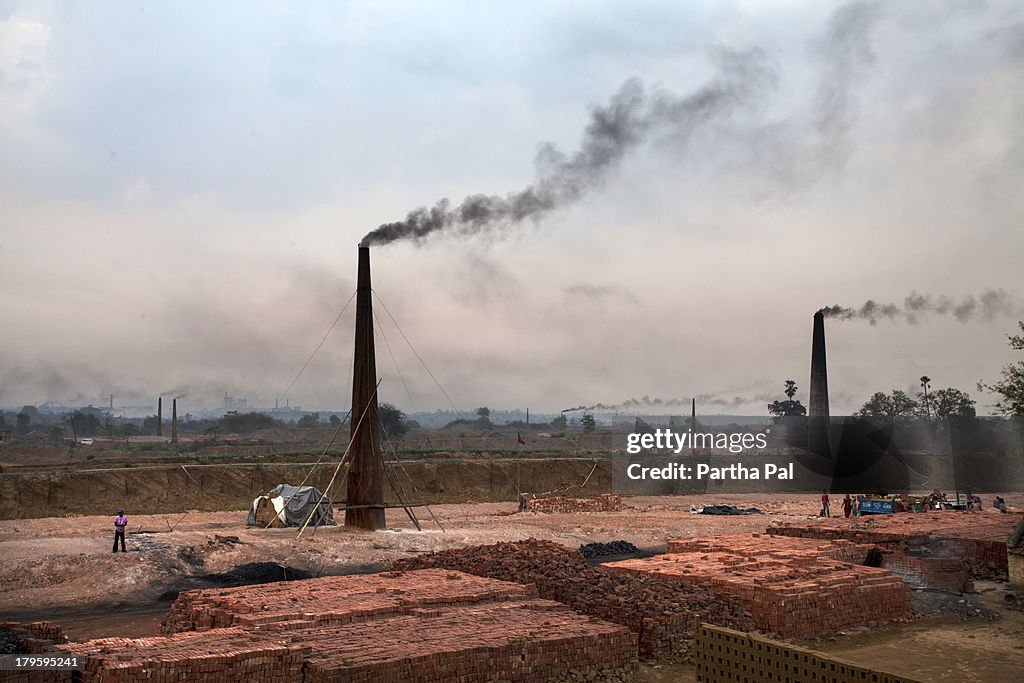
(62,570)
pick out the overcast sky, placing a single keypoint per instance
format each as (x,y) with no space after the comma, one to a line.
(183,186)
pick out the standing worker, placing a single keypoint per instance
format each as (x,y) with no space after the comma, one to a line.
(120,523)
(825,512)
(847,505)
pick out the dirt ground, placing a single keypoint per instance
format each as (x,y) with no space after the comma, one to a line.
(62,570)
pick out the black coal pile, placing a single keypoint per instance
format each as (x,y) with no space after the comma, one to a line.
(592,550)
(257,572)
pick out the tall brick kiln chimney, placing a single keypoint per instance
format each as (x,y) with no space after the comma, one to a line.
(160,416)
(817,409)
(174,420)
(365,496)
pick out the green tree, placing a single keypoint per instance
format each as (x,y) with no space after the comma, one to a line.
(789,407)
(1011,387)
(484,413)
(311,420)
(335,420)
(945,403)
(392,421)
(588,422)
(896,405)
(559,423)
(128,430)
(244,423)
(83,423)
(108,425)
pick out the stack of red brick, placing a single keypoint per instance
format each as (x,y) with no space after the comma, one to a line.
(433,625)
(978,538)
(226,654)
(778,547)
(605,502)
(34,638)
(791,591)
(334,600)
(661,612)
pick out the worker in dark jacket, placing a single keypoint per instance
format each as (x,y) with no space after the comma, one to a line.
(120,524)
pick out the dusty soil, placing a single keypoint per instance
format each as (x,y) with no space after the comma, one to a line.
(61,569)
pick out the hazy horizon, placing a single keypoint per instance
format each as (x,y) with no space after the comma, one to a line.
(185,184)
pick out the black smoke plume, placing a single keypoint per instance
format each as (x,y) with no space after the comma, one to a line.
(630,117)
(990,304)
(704,400)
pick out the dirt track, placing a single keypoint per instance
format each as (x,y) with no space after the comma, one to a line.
(62,569)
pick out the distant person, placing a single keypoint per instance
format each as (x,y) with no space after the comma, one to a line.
(856,506)
(120,524)
(847,506)
(999,504)
(825,512)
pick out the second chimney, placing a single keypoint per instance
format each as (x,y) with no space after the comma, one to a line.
(817,409)
(160,416)
(174,420)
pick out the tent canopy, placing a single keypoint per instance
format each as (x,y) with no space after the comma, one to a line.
(287,505)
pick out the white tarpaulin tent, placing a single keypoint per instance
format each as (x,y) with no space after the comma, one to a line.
(291,506)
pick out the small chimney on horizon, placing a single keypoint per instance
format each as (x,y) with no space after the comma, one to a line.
(174,420)
(160,416)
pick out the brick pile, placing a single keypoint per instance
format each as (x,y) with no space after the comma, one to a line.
(779,547)
(605,502)
(979,538)
(334,600)
(520,641)
(793,592)
(224,654)
(662,613)
(433,625)
(34,638)
(941,573)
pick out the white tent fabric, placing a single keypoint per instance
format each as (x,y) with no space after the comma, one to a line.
(291,506)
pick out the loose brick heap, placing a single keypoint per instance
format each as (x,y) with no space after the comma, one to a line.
(978,538)
(433,625)
(605,502)
(661,612)
(791,587)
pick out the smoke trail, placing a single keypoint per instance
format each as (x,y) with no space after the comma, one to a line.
(847,57)
(704,400)
(991,303)
(181,391)
(629,118)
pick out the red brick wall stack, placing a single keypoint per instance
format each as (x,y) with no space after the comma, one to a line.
(978,538)
(605,502)
(432,625)
(792,593)
(662,613)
